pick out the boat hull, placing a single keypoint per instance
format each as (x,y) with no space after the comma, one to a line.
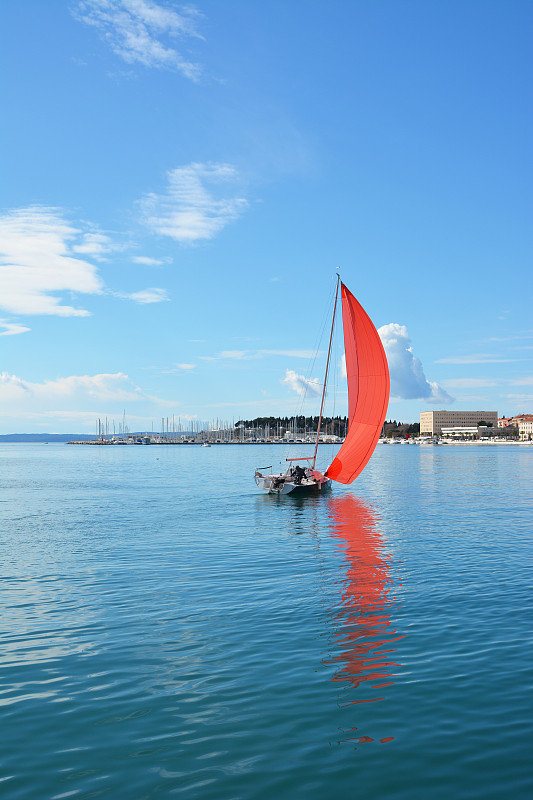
(278,484)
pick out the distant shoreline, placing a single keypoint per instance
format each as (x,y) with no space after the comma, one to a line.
(106,443)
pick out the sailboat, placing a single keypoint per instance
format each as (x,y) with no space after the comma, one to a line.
(368,396)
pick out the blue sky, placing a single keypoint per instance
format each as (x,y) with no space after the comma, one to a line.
(179,184)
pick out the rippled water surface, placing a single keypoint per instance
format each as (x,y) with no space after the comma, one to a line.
(168,631)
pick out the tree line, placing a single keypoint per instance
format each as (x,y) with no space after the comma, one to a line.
(337,426)
(299,424)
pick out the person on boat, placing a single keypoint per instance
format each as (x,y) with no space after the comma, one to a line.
(298,474)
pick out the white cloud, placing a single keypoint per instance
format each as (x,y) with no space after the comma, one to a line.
(238,355)
(153,295)
(522,382)
(523,401)
(150,262)
(302,385)
(516,337)
(406,372)
(342,366)
(93,244)
(476,358)
(469,383)
(143,31)
(37,263)
(179,368)
(291,353)
(189,211)
(241,355)
(12,328)
(71,394)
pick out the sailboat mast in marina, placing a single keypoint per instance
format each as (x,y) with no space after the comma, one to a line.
(368,396)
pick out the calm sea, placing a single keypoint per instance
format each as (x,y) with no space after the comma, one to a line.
(168,631)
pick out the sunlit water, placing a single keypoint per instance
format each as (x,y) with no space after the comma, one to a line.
(169,631)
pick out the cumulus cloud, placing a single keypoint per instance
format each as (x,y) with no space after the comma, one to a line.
(12,328)
(63,396)
(190,210)
(38,265)
(406,372)
(143,31)
(302,385)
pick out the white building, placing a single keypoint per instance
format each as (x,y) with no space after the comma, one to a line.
(525,429)
(432,422)
(461,433)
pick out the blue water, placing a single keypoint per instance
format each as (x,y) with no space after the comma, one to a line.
(168,631)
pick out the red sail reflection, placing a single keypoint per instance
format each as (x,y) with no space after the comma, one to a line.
(364,628)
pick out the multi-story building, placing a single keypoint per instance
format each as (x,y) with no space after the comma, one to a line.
(432,422)
(521,418)
(525,427)
(504,422)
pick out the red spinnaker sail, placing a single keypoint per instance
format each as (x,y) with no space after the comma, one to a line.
(368,390)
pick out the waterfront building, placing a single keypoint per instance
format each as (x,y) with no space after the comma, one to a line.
(432,422)
(504,422)
(525,427)
(521,418)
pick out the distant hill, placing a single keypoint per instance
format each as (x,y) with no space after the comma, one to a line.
(46,437)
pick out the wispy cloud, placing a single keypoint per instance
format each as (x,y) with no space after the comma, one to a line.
(179,368)
(236,355)
(408,380)
(241,355)
(302,385)
(290,353)
(145,296)
(523,401)
(144,32)
(94,244)
(522,382)
(191,209)
(12,328)
(516,337)
(38,262)
(41,262)
(150,262)
(476,358)
(19,396)
(469,383)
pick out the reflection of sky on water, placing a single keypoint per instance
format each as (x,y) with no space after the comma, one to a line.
(364,639)
(44,619)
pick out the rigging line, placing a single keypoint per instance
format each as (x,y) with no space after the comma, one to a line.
(327,368)
(301,400)
(322,333)
(322,329)
(335,386)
